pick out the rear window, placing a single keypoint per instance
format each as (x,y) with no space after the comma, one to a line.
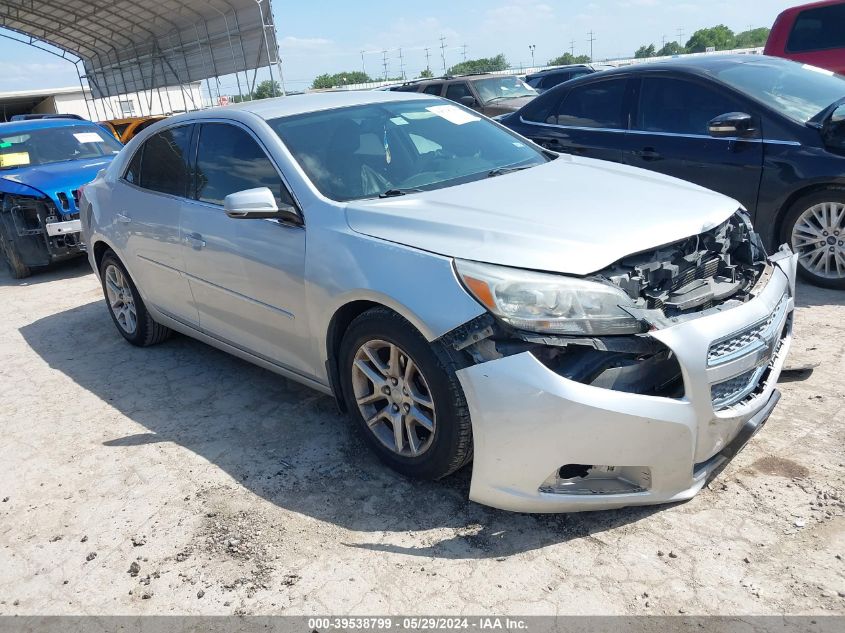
(818,29)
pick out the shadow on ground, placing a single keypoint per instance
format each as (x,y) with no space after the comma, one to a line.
(63,270)
(285,442)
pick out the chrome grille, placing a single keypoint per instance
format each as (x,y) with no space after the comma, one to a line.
(747,340)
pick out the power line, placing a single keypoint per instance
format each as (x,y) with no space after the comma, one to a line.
(384,62)
(464,52)
(363,65)
(427,56)
(591,40)
(572,48)
(443,52)
(680,36)
(401,64)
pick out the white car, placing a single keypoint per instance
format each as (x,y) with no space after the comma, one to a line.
(588,335)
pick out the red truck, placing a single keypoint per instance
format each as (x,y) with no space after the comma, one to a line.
(812,34)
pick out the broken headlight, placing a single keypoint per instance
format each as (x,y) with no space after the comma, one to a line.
(542,302)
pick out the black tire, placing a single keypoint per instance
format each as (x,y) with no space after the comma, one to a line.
(451,445)
(830,194)
(11,256)
(147,332)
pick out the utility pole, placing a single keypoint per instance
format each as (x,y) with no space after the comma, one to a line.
(401,64)
(664,42)
(464,52)
(427,57)
(363,65)
(384,62)
(531,48)
(591,40)
(572,48)
(681,36)
(443,52)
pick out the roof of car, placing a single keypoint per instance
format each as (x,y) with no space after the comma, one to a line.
(700,64)
(312,102)
(16,127)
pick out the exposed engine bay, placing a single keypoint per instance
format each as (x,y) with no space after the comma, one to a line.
(679,281)
(25,221)
(696,273)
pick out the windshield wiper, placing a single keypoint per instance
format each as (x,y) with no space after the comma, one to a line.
(506,170)
(392,193)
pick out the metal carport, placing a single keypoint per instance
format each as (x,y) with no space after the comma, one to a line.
(137,46)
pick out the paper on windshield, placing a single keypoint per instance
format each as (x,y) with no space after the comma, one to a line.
(88,137)
(17,159)
(453,114)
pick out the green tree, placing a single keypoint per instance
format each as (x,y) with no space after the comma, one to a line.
(645,51)
(752,38)
(671,48)
(719,37)
(568,58)
(481,65)
(341,79)
(426,74)
(267,89)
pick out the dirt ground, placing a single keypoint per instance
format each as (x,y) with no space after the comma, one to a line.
(177,479)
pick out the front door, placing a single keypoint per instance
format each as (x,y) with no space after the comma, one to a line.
(669,135)
(247,276)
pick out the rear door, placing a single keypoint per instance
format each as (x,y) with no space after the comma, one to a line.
(148,205)
(669,126)
(590,119)
(247,276)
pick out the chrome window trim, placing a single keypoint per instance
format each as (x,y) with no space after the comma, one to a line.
(646,132)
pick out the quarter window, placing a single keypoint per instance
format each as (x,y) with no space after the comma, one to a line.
(433,89)
(818,29)
(680,107)
(164,162)
(230,160)
(596,105)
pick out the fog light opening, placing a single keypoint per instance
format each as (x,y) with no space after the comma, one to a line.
(580,479)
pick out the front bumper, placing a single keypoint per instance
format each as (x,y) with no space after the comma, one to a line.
(528,421)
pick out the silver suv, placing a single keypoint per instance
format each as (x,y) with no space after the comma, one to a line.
(590,335)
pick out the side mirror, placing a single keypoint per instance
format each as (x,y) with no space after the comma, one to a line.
(833,129)
(259,204)
(739,124)
(469,101)
(837,117)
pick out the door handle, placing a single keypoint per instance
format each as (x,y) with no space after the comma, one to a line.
(122,218)
(649,153)
(195,241)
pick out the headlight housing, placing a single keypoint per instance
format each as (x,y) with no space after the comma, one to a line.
(549,303)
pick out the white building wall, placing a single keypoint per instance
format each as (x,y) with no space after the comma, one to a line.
(164,101)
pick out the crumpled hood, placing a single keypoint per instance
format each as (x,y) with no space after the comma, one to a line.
(54,178)
(572,215)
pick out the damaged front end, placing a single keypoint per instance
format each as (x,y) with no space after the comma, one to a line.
(712,271)
(649,398)
(38,231)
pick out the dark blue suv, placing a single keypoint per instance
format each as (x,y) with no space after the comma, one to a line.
(766,131)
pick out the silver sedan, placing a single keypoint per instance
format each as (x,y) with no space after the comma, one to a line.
(589,335)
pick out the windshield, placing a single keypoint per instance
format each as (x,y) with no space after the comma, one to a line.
(390,148)
(496,88)
(799,91)
(52,145)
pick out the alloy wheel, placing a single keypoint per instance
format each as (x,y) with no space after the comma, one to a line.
(121,300)
(819,239)
(394,398)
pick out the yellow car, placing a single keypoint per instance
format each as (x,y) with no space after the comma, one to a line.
(125,129)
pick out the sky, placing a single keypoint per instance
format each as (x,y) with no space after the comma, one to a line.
(328,36)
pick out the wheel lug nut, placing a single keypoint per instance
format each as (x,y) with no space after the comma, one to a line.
(395,407)
(394,381)
(407,408)
(385,390)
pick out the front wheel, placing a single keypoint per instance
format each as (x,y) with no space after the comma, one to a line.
(405,396)
(815,229)
(10,254)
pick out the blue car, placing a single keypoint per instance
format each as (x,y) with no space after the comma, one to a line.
(43,164)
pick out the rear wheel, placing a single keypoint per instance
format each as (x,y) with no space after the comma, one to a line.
(126,307)
(405,396)
(815,229)
(10,254)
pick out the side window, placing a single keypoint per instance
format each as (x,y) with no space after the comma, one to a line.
(133,172)
(818,29)
(456,91)
(164,164)
(676,106)
(596,105)
(434,89)
(230,160)
(539,110)
(556,79)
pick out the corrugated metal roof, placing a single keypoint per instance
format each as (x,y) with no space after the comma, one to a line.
(136,45)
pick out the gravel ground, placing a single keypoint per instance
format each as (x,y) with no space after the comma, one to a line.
(178,479)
